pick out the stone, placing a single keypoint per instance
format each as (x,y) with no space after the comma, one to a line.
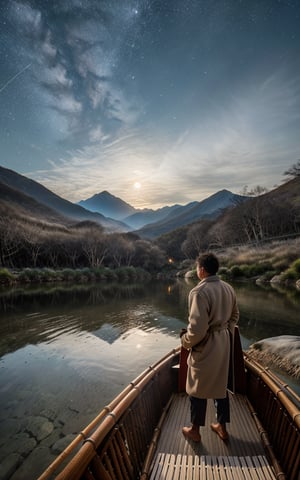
(62,443)
(282,351)
(39,427)
(22,444)
(8,428)
(9,465)
(34,465)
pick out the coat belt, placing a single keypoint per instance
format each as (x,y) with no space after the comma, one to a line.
(218,327)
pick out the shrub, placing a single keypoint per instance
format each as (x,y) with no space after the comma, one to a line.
(6,276)
(296,266)
(223,271)
(68,274)
(293,272)
(110,275)
(99,273)
(236,271)
(267,276)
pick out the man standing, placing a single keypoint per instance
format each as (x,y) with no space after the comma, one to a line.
(213,314)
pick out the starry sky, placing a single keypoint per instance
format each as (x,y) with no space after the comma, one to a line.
(157,101)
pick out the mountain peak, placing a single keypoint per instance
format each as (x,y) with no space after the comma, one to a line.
(108,205)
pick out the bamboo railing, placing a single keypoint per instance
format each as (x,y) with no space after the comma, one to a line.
(120,434)
(276,410)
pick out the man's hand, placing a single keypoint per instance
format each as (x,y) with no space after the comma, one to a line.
(182,332)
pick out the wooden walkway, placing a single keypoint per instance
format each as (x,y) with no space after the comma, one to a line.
(241,457)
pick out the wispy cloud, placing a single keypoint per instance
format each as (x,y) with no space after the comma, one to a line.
(235,146)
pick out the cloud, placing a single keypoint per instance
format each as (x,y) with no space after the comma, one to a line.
(28,19)
(56,77)
(97,135)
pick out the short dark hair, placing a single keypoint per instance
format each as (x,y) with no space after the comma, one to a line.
(209,262)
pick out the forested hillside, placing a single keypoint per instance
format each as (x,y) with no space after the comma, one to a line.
(32,235)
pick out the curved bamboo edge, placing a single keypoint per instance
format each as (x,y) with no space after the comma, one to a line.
(280,475)
(287,397)
(154,441)
(106,419)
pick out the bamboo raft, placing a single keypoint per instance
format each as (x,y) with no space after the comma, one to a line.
(138,435)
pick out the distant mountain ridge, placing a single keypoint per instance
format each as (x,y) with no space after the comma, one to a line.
(152,223)
(45,197)
(144,217)
(114,207)
(211,207)
(123,217)
(25,204)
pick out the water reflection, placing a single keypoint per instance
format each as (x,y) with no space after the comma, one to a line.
(66,352)
(265,312)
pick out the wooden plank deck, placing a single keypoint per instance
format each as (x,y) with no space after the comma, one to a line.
(242,457)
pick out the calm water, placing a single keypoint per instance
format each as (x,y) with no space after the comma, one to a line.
(66,352)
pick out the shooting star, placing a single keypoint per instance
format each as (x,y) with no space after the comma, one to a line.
(14,77)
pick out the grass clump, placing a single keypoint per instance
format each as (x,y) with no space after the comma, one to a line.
(293,272)
(6,276)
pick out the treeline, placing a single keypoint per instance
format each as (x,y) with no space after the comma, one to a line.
(28,242)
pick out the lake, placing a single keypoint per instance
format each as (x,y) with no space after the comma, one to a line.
(65,352)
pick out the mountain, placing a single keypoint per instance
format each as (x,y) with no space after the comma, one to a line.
(143,217)
(15,203)
(114,207)
(211,207)
(47,198)
(108,205)
(287,192)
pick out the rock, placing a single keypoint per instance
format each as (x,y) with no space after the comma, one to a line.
(282,351)
(52,438)
(9,465)
(8,428)
(22,444)
(34,465)
(39,427)
(276,279)
(62,443)
(189,274)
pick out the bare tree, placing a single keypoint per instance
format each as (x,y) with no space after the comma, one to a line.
(254,192)
(294,170)
(197,239)
(95,247)
(120,249)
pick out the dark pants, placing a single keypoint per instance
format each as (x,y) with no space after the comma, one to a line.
(198,410)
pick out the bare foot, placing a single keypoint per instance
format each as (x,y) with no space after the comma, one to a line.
(192,434)
(220,430)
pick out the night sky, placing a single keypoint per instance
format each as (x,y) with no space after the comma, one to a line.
(158,102)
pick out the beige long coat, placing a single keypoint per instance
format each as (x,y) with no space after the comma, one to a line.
(213,313)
